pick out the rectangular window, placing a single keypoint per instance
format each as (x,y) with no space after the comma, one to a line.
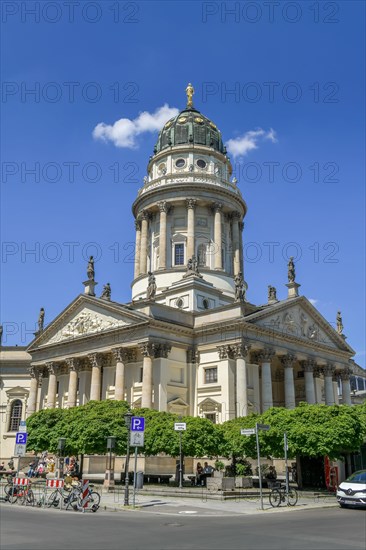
(211,417)
(141,374)
(211,375)
(179,254)
(57,387)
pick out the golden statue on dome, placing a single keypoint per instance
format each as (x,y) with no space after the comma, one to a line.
(189,92)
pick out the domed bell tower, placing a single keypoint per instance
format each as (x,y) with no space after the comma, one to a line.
(189,218)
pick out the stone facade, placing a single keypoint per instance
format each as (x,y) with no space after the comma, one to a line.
(186,343)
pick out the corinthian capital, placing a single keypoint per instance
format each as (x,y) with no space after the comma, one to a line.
(138,225)
(163,206)
(72,363)
(193,356)
(235,215)
(217,206)
(224,352)
(345,374)
(191,203)
(288,360)
(329,369)
(240,350)
(51,367)
(265,355)
(95,359)
(309,365)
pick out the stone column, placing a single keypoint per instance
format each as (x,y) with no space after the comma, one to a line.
(288,365)
(346,387)
(137,247)
(72,363)
(191,205)
(193,364)
(217,208)
(256,388)
(121,357)
(33,391)
(52,385)
(147,351)
(235,216)
(241,228)
(163,207)
(143,243)
(240,353)
(160,387)
(265,357)
(328,372)
(309,367)
(95,360)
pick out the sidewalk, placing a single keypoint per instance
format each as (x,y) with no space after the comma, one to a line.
(201,505)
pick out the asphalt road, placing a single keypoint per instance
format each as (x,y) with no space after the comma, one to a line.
(29,528)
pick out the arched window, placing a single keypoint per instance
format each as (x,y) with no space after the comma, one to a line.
(15,415)
(201,253)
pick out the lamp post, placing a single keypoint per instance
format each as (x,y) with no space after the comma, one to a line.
(128,417)
(61,450)
(109,475)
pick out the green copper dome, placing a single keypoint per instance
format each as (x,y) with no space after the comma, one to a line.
(190,127)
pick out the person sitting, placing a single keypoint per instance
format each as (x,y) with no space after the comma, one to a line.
(272,474)
(199,472)
(74,470)
(32,469)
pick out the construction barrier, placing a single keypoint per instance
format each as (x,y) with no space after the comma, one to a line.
(85,493)
(55,483)
(20,481)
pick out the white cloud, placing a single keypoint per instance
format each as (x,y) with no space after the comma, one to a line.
(240,146)
(123,132)
(313,301)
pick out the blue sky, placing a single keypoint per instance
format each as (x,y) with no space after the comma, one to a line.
(298,70)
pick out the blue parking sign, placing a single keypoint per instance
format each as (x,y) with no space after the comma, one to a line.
(137,424)
(21,438)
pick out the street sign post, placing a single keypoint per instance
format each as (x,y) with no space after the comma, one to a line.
(21,438)
(264,427)
(137,439)
(248,431)
(180,426)
(19,449)
(137,424)
(22,426)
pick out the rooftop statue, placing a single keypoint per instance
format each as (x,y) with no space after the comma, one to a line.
(41,320)
(90,269)
(239,288)
(339,323)
(151,287)
(291,270)
(107,291)
(189,92)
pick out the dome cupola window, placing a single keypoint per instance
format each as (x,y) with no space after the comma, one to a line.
(180,163)
(201,164)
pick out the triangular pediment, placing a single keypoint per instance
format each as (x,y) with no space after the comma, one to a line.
(299,318)
(84,317)
(17,391)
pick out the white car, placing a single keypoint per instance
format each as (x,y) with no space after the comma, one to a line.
(352,491)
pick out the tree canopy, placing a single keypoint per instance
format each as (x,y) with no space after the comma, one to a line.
(312,430)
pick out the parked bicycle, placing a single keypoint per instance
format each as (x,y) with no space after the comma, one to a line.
(22,494)
(279,494)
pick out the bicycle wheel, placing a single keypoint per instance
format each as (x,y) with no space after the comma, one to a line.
(275,498)
(95,499)
(13,495)
(292,497)
(53,499)
(29,498)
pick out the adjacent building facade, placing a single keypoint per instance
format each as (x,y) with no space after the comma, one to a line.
(189,341)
